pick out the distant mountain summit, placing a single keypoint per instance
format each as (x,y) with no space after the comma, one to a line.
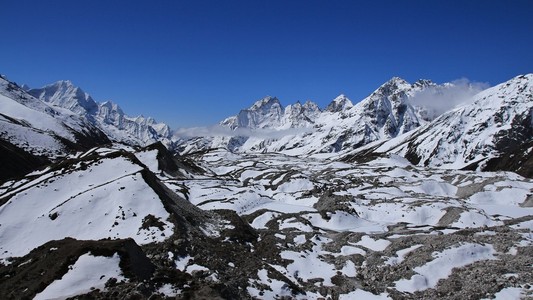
(490,130)
(268,113)
(34,133)
(107,116)
(300,116)
(339,104)
(64,94)
(265,113)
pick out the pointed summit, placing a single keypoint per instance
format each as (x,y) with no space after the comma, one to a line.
(339,104)
(63,83)
(423,83)
(65,94)
(266,102)
(264,113)
(395,83)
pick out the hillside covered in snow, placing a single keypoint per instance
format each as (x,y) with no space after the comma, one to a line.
(492,132)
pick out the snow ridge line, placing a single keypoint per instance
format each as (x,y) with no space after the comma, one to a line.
(92,188)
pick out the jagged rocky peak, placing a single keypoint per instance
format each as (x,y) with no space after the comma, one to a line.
(265,103)
(294,109)
(298,115)
(264,113)
(111,106)
(311,106)
(424,83)
(110,112)
(65,94)
(492,132)
(339,104)
(392,87)
(388,111)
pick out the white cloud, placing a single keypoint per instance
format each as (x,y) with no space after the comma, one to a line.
(441,99)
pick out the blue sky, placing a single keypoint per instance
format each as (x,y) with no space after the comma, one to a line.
(193,63)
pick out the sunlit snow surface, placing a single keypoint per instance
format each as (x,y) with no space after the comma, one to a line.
(88,272)
(380,192)
(441,267)
(375,196)
(325,217)
(106,198)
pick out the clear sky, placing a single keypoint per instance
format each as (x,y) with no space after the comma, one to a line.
(192,63)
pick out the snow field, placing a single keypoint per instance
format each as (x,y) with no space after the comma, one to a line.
(88,272)
(109,199)
(441,267)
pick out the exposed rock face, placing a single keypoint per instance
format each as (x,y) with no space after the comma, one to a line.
(266,112)
(341,103)
(16,162)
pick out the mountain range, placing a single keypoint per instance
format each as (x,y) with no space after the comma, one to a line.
(490,130)
(107,116)
(419,190)
(342,127)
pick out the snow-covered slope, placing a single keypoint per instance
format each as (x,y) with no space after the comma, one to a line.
(65,94)
(495,131)
(31,128)
(342,125)
(107,116)
(95,199)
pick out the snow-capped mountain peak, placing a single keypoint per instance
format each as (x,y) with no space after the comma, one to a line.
(340,103)
(110,107)
(423,83)
(34,133)
(311,106)
(300,116)
(65,94)
(395,86)
(342,125)
(264,113)
(265,103)
(108,116)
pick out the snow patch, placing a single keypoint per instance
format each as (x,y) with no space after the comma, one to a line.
(441,267)
(87,272)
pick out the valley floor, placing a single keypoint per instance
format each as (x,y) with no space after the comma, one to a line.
(268,226)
